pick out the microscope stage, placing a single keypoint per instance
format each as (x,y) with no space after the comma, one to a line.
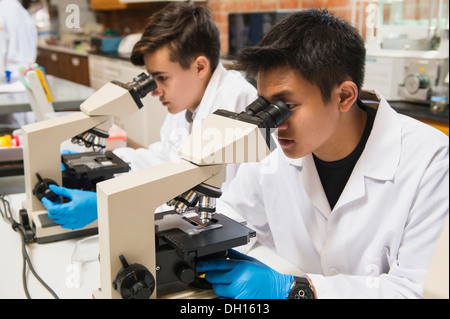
(221,234)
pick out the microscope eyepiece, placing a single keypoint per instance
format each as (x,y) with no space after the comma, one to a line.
(272,115)
(275,114)
(143,84)
(139,87)
(256,106)
(265,115)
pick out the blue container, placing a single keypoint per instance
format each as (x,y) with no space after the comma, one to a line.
(105,44)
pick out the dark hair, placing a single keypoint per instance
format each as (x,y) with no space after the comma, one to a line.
(324,49)
(187,29)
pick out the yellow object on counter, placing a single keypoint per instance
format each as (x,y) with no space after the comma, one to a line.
(10,141)
(5,141)
(44,83)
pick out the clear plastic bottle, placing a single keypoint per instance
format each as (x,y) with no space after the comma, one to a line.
(439,99)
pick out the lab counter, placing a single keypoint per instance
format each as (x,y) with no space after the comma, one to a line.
(112,55)
(67,95)
(419,111)
(62,49)
(71,267)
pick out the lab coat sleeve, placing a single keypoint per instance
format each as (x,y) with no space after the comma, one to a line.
(171,133)
(408,269)
(140,158)
(242,202)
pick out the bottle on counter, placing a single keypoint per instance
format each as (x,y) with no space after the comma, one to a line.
(10,141)
(439,99)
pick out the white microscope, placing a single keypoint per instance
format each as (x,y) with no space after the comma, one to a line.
(162,248)
(42,156)
(143,255)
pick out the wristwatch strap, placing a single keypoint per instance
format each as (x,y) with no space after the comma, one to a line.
(302,288)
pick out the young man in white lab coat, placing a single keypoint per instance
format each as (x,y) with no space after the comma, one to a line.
(18,47)
(354,196)
(18,37)
(180,48)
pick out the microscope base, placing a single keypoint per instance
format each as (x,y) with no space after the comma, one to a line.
(47,231)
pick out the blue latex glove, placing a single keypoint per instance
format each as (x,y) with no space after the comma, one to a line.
(64,152)
(244,277)
(80,211)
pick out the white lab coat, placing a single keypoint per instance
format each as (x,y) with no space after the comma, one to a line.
(18,47)
(226,89)
(378,240)
(18,35)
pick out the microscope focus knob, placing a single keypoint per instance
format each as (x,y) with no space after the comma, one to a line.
(186,274)
(41,189)
(134,281)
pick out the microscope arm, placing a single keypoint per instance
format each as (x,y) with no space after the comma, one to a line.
(41,152)
(126,204)
(126,207)
(42,139)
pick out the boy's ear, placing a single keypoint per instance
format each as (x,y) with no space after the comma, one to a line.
(201,65)
(347,95)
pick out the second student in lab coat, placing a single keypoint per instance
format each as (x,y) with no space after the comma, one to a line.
(180,48)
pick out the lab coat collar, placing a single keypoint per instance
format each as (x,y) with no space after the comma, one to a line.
(379,160)
(381,154)
(203,109)
(313,186)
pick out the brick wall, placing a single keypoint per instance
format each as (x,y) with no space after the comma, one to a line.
(413,9)
(134,20)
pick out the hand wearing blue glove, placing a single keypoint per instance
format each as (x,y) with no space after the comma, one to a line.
(64,152)
(244,277)
(79,212)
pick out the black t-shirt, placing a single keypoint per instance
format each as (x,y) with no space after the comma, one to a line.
(334,175)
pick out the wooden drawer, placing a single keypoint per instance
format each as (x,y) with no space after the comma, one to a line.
(70,67)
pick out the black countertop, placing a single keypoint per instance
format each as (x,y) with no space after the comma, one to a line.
(111,55)
(419,110)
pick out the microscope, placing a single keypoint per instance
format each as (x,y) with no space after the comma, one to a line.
(148,255)
(42,156)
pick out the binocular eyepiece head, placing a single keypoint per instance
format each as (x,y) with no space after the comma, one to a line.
(272,114)
(143,84)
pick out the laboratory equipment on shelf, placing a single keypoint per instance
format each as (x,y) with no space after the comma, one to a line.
(407,58)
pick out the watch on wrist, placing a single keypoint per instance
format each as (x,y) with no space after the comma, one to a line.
(301,289)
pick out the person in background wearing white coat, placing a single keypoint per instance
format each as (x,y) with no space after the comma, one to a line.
(18,47)
(355,196)
(180,48)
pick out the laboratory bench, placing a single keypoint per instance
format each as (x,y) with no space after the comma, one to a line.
(71,267)
(111,55)
(67,95)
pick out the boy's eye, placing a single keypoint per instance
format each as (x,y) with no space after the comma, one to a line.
(162,78)
(290,106)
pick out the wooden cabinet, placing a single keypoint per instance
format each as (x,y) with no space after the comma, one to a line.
(124,4)
(72,67)
(107,5)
